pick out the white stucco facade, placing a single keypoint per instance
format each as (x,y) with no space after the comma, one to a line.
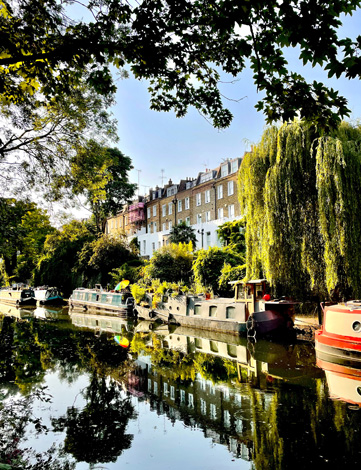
(149,242)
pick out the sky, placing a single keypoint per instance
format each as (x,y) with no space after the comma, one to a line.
(157,141)
(164,147)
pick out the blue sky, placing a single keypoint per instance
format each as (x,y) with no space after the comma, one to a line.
(182,147)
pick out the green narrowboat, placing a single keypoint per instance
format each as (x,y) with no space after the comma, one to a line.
(98,298)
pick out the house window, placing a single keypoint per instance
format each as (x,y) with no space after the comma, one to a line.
(170,208)
(148,212)
(164,227)
(148,228)
(220,213)
(198,199)
(154,211)
(155,227)
(213,411)
(164,210)
(206,176)
(179,206)
(144,246)
(199,218)
(220,191)
(188,221)
(186,203)
(208,216)
(234,166)
(224,170)
(231,211)
(153,246)
(159,244)
(207,196)
(230,188)
(170,225)
(179,221)
(190,400)
(208,239)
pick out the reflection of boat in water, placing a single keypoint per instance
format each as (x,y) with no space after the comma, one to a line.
(251,311)
(100,299)
(339,339)
(344,381)
(16,312)
(100,323)
(17,296)
(46,313)
(48,295)
(260,361)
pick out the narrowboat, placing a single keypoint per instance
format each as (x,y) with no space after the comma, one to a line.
(339,338)
(48,295)
(250,312)
(120,302)
(17,296)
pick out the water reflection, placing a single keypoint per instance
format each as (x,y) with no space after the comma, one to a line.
(264,402)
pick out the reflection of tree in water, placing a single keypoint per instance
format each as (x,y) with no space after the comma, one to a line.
(6,350)
(305,429)
(96,433)
(16,420)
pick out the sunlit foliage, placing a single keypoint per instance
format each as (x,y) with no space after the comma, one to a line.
(300,193)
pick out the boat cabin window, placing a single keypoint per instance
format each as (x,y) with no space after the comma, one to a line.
(240,292)
(231,312)
(214,346)
(232,350)
(212,311)
(197,310)
(259,293)
(249,292)
(198,343)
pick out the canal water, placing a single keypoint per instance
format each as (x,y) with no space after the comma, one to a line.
(81,391)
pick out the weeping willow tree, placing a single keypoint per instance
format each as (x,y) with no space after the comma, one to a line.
(301,195)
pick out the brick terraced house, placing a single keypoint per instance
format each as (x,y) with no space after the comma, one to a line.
(204,203)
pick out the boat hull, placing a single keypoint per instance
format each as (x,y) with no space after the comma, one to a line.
(339,339)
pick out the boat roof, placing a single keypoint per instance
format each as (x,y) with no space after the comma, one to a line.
(251,281)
